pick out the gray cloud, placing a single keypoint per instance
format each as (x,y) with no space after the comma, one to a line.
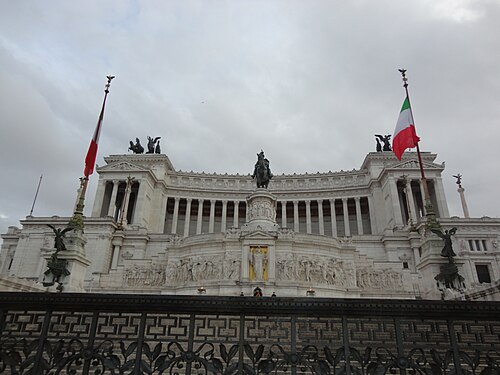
(308,82)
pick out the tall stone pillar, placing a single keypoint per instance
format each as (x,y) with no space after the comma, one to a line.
(371,211)
(162,214)
(126,199)
(236,214)
(359,218)
(211,223)
(347,227)
(441,198)
(396,207)
(139,214)
(112,201)
(224,216)
(320,218)
(463,201)
(411,201)
(199,220)
(176,215)
(308,217)
(333,217)
(99,198)
(283,214)
(187,220)
(422,195)
(296,225)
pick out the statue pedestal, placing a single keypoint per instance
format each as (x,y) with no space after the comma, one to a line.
(76,263)
(261,212)
(431,265)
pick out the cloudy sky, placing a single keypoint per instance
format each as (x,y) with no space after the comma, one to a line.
(310,82)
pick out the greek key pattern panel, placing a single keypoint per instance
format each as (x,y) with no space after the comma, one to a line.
(69,325)
(425,334)
(267,330)
(320,332)
(216,328)
(23,324)
(167,327)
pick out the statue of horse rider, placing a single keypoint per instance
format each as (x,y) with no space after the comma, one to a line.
(262,171)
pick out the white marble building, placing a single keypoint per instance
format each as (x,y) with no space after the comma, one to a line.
(338,234)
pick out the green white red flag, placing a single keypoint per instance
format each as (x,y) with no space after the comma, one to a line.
(405,135)
(92,152)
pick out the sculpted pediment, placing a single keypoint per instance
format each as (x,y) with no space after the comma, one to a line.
(413,164)
(258,234)
(121,166)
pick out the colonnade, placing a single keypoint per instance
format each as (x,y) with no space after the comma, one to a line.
(409,198)
(336,217)
(119,199)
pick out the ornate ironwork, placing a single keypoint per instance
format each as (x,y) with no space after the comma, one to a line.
(201,335)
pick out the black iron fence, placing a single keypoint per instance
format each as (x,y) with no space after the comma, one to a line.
(198,335)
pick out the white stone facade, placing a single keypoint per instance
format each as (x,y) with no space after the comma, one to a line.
(342,234)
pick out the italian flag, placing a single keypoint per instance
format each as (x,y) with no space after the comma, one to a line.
(92,152)
(404,135)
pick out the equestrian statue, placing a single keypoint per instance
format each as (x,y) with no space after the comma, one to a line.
(262,171)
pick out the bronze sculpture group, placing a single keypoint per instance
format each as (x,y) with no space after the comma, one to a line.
(153,146)
(262,171)
(55,266)
(386,140)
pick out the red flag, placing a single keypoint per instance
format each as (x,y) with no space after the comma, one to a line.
(92,152)
(405,135)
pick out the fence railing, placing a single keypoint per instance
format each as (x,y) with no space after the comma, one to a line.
(195,335)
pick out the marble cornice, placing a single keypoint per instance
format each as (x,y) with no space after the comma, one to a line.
(279,184)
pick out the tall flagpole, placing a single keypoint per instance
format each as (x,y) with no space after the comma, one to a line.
(36,194)
(429,209)
(76,220)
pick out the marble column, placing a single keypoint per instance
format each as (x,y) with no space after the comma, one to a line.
(333,217)
(320,217)
(176,216)
(308,217)
(411,201)
(187,220)
(126,199)
(236,214)
(283,214)
(224,216)
(464,202)
(199,221)
(373,219)
(162,214)
(347,228)
(396,207)
(422,195)
(112,201)
(296,225)
(99,198)
(212,217)
(139,204)
(359,218)
(441,198)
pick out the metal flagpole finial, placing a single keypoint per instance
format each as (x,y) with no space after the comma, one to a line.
(110,77)
(405,80)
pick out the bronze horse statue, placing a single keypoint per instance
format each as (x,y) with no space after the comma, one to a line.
(137,148)
(262,172)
